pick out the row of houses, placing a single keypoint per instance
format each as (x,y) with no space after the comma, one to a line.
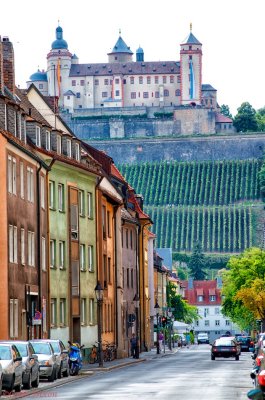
(69,221)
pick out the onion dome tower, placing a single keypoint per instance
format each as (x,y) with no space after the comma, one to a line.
(191,70)
(39,79)
(120,52)
(139,54)
(58,66)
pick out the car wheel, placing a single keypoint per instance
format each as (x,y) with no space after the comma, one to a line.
(51,378)
(28,384)
(11,387)
(59,374)
(237,358)
(66,372)
(212,357)
(35,384)
(18,388)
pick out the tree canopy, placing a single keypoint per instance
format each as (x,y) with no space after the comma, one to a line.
(244,288)
(225,111)
(197,263)
(182,311)
(245,120)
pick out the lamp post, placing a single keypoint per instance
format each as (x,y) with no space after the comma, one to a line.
(169,313)
(136,305)
(99,297)
(157,327)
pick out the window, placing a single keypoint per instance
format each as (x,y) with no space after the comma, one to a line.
(22,245)
(13,318)
(127,239)
(206,322)
(73,83)
(179,79)
(59,144)
(12,244)
(30,184)
(212,298)
(53,312)
(128,277)
(104,94)
(43,253)
(42,192)
(68,148)
(62,312)
(217,322)
(177,92)
(131,238)
(164,79)
(19,127)
(132,80)
(31,249)
(81,195)
(22,193)
(91,311)
(197,323)
(83,312)
(90,259)
(105,271)
(148,80)
(157,95)
(217,311)
(108,224)
(77,152)
(78,95)
(133,95)
(117,92)
(106,81)
(109,270)
(171,79)
(96,82)
(82,257)
(206,311)
(166,93)
(140,80)
(12,175)
(74,222)
(82,82)
(145,95)
(51,195)
(156,79)
(61,197)
(200,298)
(38,138)
(132,278)
(61,254)
(52,253)
(227,322)
(104,222)
(117,81)
(89,205)
(48,140)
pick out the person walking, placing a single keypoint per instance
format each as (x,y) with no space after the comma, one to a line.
(133,342)
(160,339)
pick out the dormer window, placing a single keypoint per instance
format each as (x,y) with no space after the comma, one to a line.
(199,299)
(59,144)
(77,152)
(212,298)
(38,141)
(48,140)
(68,148)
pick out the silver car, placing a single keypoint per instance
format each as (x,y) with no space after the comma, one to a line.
(62,357)
(11,362)
(47,359)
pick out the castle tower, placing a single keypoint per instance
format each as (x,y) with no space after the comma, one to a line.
(120,52)
(191,70)
(139,54)
(58,66)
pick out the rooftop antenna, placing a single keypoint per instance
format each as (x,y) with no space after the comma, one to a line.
(120,31)
(191,26)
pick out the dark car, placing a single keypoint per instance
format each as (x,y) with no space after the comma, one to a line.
(225,347)
(245,342)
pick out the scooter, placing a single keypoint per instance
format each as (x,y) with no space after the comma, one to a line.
(75,358)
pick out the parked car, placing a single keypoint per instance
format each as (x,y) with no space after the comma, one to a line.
(1,379)
(181,339)
(30,363)
(203,338)
(62,357)
(225,347)
(48,366)
(11,362)
(245,342)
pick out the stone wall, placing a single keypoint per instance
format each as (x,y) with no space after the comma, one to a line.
(197,149)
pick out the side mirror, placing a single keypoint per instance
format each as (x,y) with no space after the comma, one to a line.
(34,357)
(65,352)
(18,359)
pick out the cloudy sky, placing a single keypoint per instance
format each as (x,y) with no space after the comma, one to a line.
(232,33)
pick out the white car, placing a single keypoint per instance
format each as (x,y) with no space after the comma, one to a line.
(11,362)
(203,338)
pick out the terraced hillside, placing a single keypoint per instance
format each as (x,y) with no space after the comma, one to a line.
(217,203)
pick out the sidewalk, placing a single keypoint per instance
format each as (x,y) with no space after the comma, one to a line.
(122,362)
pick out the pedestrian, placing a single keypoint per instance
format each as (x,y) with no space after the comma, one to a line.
(160,339)
(133,342)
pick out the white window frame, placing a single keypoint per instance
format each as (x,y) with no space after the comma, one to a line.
(82,257)
(42,192)
(61,254)
(48,140)
(51,195)
(77,152)
(31,249)
(83,315)
(89,205)
(81,195)
(52,253)
(19,127)
(38,137)
(61,197)
(30,184)
(12,242)
(217,322)
(22,246)
(53,312)
(22,189)
(13,318)
(90,258)
(91,312)
(59,144)
(69,148)
(63,312)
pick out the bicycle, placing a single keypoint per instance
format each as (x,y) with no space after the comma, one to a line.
(93,356)
(110,351)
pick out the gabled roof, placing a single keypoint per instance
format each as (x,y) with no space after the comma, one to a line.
(222,118)
(208,87)
(202,288)
(191,39)
(121,47)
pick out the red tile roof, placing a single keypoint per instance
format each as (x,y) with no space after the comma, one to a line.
(222,119)
(202,288)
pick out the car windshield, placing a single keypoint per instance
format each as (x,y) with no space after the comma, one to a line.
(41,348)
(5,353)
(56,347)
(22,348)
(224,342)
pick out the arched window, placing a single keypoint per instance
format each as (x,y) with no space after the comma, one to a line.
(166,93)
(177,92)
(140,79)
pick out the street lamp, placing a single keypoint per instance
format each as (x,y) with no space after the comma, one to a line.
(169,313)
(157,327)
(136,305)
(99,297)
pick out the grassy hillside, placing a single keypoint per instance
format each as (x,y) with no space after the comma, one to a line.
(217,203)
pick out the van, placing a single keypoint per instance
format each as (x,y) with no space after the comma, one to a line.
(203,338)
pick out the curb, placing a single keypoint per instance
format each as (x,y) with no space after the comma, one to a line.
(106,369)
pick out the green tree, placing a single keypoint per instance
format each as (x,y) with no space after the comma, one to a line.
(182,311)
(225,111)
(261,177)
(260,117)
(245,120)
(244,288)
(196,263)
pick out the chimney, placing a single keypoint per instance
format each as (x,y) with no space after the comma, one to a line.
(190,283)
(140,200)
(8,64)
(219,282)
(1,68)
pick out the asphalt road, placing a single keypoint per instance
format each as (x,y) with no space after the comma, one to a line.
(188,375)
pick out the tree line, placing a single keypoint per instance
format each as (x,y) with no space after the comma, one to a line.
(247,118)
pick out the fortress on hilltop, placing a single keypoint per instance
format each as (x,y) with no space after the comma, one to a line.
(123,89)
